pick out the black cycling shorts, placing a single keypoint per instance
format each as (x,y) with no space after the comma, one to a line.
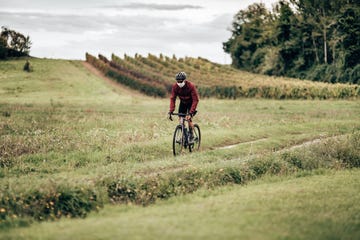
(184,107)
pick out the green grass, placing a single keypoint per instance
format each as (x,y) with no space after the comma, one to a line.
(65,130)
(315,207)
(55,83)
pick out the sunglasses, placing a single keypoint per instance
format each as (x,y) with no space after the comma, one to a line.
(180,81)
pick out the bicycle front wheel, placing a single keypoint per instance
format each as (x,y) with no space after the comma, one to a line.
(178,140)
(195,145)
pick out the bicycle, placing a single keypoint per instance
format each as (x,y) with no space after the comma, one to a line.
(181,138)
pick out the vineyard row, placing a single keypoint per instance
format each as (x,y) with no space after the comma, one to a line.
(154,76)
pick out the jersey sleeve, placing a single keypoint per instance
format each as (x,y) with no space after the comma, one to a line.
(195,99)
(172,99)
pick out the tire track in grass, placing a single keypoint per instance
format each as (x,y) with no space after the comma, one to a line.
(252,156)
(240,143)
(243,159)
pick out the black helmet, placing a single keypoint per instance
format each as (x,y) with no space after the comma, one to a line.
(180,76)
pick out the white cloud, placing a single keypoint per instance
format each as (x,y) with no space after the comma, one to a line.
(153,6)
(68,29)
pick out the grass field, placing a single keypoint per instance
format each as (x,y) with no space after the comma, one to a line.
(314,207)
(72,143)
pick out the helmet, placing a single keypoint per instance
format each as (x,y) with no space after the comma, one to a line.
(180,76)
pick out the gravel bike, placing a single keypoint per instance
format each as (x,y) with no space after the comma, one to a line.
(182,138)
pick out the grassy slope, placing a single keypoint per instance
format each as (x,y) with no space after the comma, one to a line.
(81,129)
(313,207)
(56,81)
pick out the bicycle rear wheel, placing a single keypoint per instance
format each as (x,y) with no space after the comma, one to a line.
(195,146)
(178,140)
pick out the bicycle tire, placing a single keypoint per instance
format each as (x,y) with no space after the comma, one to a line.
(178,140)
(195,146)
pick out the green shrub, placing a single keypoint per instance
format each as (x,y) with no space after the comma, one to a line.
(27,66)
(355,75)
(349,150)
(293,159)
(47,204)
(231,175)
(332,153)
(123,191)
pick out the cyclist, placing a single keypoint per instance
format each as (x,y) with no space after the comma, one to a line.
(189,98)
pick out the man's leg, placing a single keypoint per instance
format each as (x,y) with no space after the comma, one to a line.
(191,124)
(182,109)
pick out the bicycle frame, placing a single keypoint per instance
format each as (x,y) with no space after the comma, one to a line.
(182,119)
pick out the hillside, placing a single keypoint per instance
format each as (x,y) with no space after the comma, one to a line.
(73,146)
(154,75)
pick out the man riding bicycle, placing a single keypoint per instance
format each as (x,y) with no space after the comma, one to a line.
(189,98)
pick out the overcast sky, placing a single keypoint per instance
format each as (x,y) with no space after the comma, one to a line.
(69,28)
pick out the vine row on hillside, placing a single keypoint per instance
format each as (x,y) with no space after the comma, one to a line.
(154,76)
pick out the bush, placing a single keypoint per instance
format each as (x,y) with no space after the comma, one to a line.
(3,49)
(349,150)
(27,66)
(47,204)
(332,153)
(355,75)
(317,73)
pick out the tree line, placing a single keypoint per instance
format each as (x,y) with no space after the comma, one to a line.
(308,39)
(13,44)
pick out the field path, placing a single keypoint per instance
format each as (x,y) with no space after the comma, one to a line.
(241,143)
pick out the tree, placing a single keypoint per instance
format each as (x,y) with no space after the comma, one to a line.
(3,48)
(248,33)
(287,35)
(349,31)
(313,39)
(13,43)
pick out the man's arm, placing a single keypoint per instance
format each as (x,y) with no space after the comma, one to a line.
(195,99)
(172,99)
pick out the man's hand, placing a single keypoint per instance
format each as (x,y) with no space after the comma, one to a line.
(170,115)
(193,113)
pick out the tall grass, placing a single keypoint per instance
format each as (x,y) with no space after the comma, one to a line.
(70,134)
(321,205)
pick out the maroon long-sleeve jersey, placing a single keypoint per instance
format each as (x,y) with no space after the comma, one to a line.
(187,94)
